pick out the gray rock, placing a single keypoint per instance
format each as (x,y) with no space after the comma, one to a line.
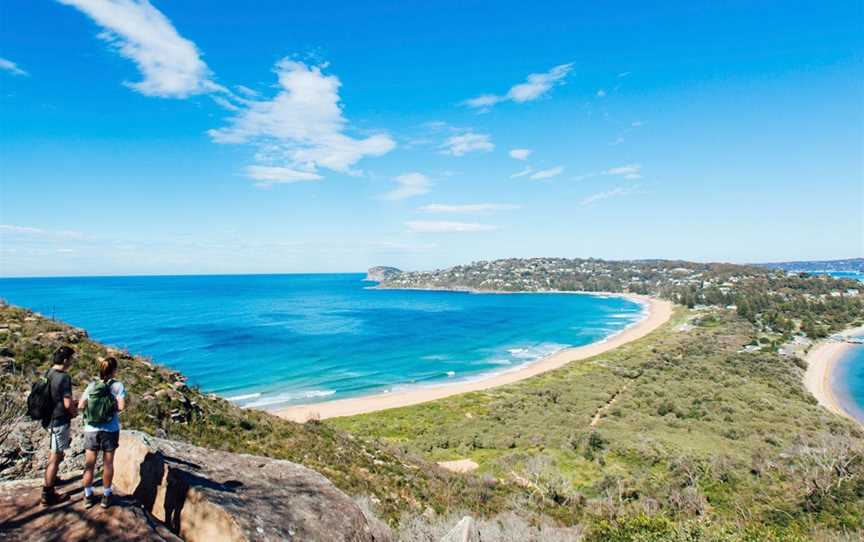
(24,454)
(206,495)
(464,531)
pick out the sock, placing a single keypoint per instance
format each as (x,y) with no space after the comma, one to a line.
(108,491)
(88,491)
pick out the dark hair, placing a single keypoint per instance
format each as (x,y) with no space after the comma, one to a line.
(63,355)
(107,367)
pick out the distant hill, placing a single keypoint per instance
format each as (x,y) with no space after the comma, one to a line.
(851,265)
(382,273)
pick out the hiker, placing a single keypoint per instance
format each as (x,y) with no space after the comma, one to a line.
(102,402)
(62,410)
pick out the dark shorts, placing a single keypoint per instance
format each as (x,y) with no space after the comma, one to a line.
(106,441)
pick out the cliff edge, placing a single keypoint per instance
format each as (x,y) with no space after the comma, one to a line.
(169,489)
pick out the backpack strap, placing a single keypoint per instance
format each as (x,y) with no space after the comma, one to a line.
(50,389)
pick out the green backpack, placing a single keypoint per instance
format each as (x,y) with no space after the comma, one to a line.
(101,404)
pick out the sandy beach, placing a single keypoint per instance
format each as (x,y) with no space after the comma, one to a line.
(658,311)
(821,361)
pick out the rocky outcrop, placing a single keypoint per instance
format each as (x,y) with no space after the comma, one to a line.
(22,518)
(381,273)
(464,531)
(169,488)
(207,495)
(24,452)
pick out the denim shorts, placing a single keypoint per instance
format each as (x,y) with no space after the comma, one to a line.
(105,441)
(60,439)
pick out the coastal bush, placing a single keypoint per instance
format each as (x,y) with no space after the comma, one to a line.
(703,431)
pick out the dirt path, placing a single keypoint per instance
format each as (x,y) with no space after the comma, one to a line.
(596,419)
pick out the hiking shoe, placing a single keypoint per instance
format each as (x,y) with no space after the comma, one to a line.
(90,501)
(106,501)
(51,497)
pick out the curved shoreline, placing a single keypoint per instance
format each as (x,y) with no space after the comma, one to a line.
(821,362)
(658,312)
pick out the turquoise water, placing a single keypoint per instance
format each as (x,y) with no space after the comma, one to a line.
(854,275)
(267,341)
(847,382)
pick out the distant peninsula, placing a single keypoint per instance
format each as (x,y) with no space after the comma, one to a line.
(382,273)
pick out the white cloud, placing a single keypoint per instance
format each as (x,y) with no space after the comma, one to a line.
(484,101)
(170,64)
(601,93)
(637,124)
(536,85)
(302,127)
(548,173)
(469,208)
(461,144)
(520,154)
(410,185)
(274,174)
(441,226)
(11,67)
(526,171)
(629,171)
(615,192)
(246,91)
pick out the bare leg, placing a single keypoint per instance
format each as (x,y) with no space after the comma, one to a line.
(89,465)
(54,460)
(107,468)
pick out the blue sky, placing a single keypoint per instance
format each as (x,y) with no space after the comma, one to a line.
(170,137)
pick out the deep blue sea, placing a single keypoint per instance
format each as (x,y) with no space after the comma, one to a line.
(267,341)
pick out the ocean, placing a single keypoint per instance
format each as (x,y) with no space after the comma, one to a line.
(847,380)
(269,341)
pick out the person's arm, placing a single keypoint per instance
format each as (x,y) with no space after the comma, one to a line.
(68,400)
(121,398)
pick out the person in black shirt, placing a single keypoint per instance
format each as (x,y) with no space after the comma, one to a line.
(65,409)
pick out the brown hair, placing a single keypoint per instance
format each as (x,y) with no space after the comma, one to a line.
(107,367)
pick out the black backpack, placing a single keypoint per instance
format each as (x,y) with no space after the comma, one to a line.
(40,404)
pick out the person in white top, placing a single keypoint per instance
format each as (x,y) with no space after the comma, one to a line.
(102,402)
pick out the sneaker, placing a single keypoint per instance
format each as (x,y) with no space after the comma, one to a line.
(51,497)
(90,502)
(106,501)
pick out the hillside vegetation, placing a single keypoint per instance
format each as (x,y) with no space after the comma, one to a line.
(678,432)
(701,431)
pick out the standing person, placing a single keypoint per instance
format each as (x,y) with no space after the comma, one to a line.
(60,388)
(102,402)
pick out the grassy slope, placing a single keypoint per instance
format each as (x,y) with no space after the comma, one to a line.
(398,483)
(696,430)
